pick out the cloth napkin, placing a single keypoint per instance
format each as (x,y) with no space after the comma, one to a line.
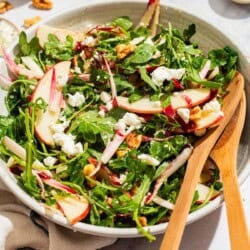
(21,228)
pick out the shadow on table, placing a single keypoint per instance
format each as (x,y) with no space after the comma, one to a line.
(230,10)
(197,236)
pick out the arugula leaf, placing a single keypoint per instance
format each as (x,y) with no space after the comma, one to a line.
(146,78)
(28,48)
(90,124)
(167,148)
(98,75)
(122,84)
(124,22)
(58,50)
(142,54)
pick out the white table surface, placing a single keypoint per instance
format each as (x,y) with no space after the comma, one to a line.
(210,232)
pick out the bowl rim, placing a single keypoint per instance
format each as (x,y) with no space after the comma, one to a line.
(10,181)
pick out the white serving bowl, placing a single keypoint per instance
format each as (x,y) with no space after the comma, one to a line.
(80,18)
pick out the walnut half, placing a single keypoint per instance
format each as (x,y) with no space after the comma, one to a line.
(5,6)
(42,4)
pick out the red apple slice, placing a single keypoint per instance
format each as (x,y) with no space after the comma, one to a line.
(190,97)
(203,192)
(183,99)
(74,208)
(45,118)
(43,31)
(54,183)
(142,106)
(210,120)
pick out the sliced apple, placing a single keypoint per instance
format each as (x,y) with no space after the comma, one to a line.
(210,120)
(204,193)
(183,99)
(75,208)
(43,31)
(190,97)
(54,183)
(45,118)
(142,106)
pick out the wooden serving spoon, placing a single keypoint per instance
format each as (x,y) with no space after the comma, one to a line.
(224,154)
(175,228)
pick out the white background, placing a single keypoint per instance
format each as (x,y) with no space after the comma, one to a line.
(234,20)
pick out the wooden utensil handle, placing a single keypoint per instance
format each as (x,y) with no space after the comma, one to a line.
(239,235)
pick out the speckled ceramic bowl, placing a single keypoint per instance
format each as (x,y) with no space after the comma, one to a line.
(81,17)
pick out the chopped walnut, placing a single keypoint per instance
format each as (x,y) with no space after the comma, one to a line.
(5,6)
(195,113)
(42,4)
(134,140)
(31,21)
(124,50)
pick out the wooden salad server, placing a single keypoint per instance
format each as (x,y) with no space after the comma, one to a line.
(175,228)
(224,154)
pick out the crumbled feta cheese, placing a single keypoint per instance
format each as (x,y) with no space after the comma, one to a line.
(148,159)
(102,113)
(62,80)
(59,127)
(89,41)
(212,106)
(109,105)
(162,73)
(120,125)
(68,146)
(50,161)
(137,40)
(60,138)
(184,114)
(132,119)
(76,100)
(105,97)
(122,178)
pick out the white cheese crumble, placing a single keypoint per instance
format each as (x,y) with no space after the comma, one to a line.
(212,106)
(109,105)
(102,113)
(148,159)
(59,127)
(184,114)
(132,119)
(67,143)
(7,34)
(62,80)
(162,73)
(157,104)
(105,97)
(76,100)
(89,41)
(50,161)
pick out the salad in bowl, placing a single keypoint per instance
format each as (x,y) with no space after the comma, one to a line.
(101,122)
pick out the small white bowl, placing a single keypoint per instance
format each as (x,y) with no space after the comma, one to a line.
(209,37)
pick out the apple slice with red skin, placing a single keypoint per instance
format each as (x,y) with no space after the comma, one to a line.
(210,120)
(43,31)
(75,208)
(203,192)
(183,99)
(45,118)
